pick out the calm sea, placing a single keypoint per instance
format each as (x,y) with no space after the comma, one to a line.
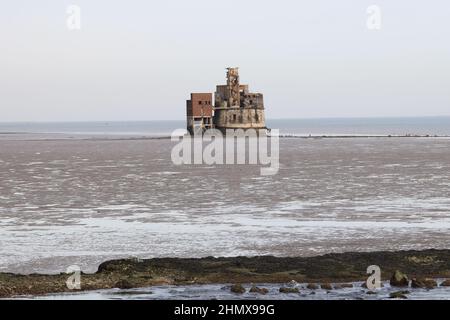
(325,126)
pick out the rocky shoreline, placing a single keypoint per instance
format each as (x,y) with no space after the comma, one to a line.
(403,269)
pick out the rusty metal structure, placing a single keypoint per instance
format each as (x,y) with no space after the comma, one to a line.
(235,107)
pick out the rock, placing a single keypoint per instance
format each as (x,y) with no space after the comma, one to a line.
(289,290)
(430,283)
(255,289)
(446,283)
(342,286)
(399,295)
(326,286)
(237,288)
(124,267)
(123,284)
(293,283)
(423,283)
(312,286)
(417,283)
(364,285)
(371,292)
(399,279)
(3,291)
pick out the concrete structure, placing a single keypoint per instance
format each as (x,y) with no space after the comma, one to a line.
(234,107)
(199,112)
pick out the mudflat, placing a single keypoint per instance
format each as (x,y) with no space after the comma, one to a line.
(83,202)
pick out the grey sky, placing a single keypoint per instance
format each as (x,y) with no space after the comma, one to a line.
(139,60)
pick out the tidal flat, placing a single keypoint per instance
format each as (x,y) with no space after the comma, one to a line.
(83,202)
(327,273)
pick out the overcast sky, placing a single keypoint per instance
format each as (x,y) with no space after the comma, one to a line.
(139,60)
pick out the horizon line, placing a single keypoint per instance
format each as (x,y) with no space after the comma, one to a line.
(268,119)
